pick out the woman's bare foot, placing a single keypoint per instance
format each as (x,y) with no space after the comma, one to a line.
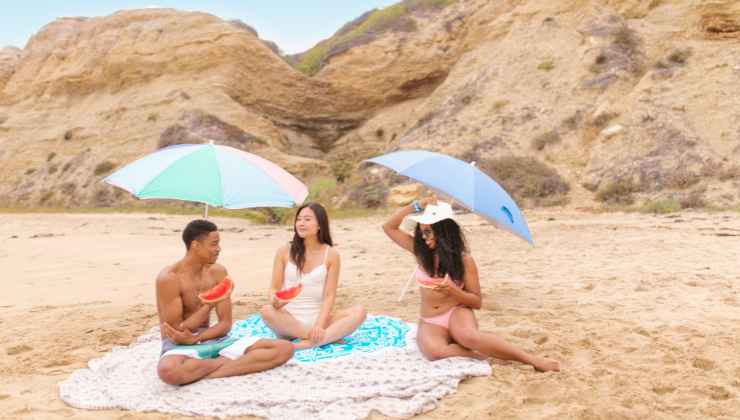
(307,344)
(303,344)
(543,364)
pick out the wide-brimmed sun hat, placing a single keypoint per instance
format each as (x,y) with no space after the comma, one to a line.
(434,213)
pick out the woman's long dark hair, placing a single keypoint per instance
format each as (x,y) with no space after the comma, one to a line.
(450,246)
(297,247)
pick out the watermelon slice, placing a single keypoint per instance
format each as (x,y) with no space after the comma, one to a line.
(218,292)
(428,284)
(289,293)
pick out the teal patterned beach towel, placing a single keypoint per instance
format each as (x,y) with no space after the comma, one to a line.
(376,333)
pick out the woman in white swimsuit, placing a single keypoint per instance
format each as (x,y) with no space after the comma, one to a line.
(311,260)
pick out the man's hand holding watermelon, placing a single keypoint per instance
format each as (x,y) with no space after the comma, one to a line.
(217,293)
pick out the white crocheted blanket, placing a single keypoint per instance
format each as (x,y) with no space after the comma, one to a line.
(394,380)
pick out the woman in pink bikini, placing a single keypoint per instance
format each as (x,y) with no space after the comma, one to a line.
(311,260)
(448,326)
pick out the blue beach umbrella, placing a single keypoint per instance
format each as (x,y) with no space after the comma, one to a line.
(219,176)
(468,185)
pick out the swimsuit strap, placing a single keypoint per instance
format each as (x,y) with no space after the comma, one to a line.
(326,254)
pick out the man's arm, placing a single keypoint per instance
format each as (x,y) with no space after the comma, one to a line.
(197,318)
(169,302)
(169,307)
(223,326)
(223,309)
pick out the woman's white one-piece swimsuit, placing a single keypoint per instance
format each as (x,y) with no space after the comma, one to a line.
(306,306)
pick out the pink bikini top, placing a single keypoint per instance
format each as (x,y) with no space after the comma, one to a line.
(420,274)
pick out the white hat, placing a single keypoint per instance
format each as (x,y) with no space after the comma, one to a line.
(434,213)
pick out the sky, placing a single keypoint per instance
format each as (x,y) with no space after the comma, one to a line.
(295,25)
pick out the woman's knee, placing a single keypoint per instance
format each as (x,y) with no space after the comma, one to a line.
(267,312)
(430,350)
(360,312)
(433,354)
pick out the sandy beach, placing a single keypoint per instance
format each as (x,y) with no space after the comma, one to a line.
(643,311)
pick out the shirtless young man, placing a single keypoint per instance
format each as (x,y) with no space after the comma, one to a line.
(184,318)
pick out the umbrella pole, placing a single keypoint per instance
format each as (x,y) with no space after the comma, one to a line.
(406,287)
(205,212)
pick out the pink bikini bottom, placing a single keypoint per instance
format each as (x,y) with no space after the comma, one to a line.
(442,320)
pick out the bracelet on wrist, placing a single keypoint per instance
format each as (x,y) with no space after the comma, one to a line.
(416,206)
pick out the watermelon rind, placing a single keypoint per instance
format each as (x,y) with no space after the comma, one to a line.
(218,298)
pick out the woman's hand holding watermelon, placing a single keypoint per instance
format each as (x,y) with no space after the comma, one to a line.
(443,287)
(276,302)
(280,298)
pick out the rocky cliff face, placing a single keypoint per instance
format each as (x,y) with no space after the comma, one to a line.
(587,103)
(9,58)
(567,102)
(90,94)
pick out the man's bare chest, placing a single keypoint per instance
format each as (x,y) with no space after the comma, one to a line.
(189,290)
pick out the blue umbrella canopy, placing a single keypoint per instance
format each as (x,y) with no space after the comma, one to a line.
(468,185)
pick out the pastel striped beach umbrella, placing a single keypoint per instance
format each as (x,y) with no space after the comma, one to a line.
(219,176)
